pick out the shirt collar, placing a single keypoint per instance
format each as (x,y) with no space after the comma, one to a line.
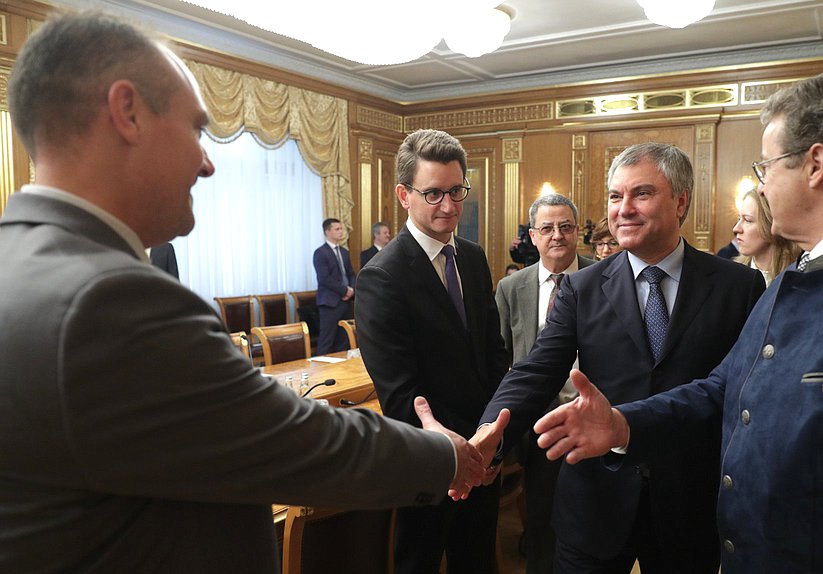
(430,245)
(672,264)
(123,230)
(816,251)
(543,273)
(331,244)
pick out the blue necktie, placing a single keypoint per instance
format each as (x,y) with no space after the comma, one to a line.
(452,284)
(657,315)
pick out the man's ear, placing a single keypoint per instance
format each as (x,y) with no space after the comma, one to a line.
(124,103)
(816,166)
(402,193)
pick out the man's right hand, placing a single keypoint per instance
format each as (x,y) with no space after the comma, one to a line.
(470,470)
(586,427)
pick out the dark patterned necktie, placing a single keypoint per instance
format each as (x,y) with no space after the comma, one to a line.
(556,278)
(452,284)
(340,264)
(657,315)
(804,260)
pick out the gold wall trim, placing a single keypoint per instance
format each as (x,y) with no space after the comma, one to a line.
(366,153)
(365,150)
(4,38)
(511,198)
(480,117)
(759,92)
(580,167)
(512,150)
(4,85)
(703,193)
(379,119)
(6,160)
(647,102)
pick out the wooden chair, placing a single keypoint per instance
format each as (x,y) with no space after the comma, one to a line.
(305,309)
(274,309)
(283,343)
(241,341)
(319,541)
(351,331)
(238,315)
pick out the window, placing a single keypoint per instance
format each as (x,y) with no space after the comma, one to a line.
(257,222)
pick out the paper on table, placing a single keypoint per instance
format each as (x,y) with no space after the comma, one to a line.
(327,359)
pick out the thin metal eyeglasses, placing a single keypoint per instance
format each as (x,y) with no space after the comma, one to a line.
(613,244)
(759,167)
(434,196)
(565,229)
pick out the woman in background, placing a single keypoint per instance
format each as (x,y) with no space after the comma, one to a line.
(604,243)
(770,254)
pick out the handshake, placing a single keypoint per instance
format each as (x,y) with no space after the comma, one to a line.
(583,428)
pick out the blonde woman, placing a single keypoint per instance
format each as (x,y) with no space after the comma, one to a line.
(770,254)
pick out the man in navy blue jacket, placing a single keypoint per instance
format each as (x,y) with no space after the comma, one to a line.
(335,288)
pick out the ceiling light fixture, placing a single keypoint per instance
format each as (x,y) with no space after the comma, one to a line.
(370,31)
(676,14)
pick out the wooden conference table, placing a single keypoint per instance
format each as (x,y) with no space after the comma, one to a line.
(352,384)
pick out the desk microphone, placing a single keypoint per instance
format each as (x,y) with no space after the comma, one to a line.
(348,403)
(327,383)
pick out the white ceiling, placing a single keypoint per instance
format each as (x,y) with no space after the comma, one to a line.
(551,42)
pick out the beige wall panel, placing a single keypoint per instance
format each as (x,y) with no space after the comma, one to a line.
(546,157)
(738,145)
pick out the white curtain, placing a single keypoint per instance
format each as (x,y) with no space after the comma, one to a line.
(257,222)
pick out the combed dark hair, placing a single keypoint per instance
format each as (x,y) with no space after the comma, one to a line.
(428,145)
(64,71)
(672,162)
(801,107)
(550,199)
(327,223)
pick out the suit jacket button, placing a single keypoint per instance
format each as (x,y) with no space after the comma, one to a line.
(768,351)
(727,482)
(728,546)
(745,416)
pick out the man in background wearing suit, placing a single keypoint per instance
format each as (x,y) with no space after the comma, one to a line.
(162,256)
(523,300)
(335,288)
(135,438)
(767,389)
(641,322)
(427,325)
(380,235)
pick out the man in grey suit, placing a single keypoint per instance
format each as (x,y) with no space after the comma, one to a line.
(134,437)
(523,300)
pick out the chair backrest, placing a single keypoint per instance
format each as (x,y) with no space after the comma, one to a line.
(351,331)
(274,309)
(305,309)
(241,341)
(283,343)
(319,541)
(237,313)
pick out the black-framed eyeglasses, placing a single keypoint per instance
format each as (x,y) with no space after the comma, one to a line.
(759,167)
(434,196)
(564,228)
(613,244)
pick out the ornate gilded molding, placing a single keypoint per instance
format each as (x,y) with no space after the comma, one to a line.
(759,92)
(379,119)
(480,117)
(4,38)
(646,102)
(703,193)
(512,150)
(4,84)
(580,167)
(6,160)
(365,150)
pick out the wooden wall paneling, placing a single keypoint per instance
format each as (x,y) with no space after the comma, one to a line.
(606,145)
(482,219)
(738,145)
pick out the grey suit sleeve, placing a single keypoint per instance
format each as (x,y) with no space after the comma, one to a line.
(157,403)
(504,310)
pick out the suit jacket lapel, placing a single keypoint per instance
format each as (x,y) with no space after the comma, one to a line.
(618,288)
(528,294)
(695,287)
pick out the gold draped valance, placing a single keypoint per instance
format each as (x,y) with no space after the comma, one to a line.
(274,112)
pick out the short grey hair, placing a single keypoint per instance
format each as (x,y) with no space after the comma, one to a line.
(801,107)
(376,227)
(671,161)
(550,200)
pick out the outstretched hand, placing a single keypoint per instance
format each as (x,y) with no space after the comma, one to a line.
(586,427)
(470,469)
